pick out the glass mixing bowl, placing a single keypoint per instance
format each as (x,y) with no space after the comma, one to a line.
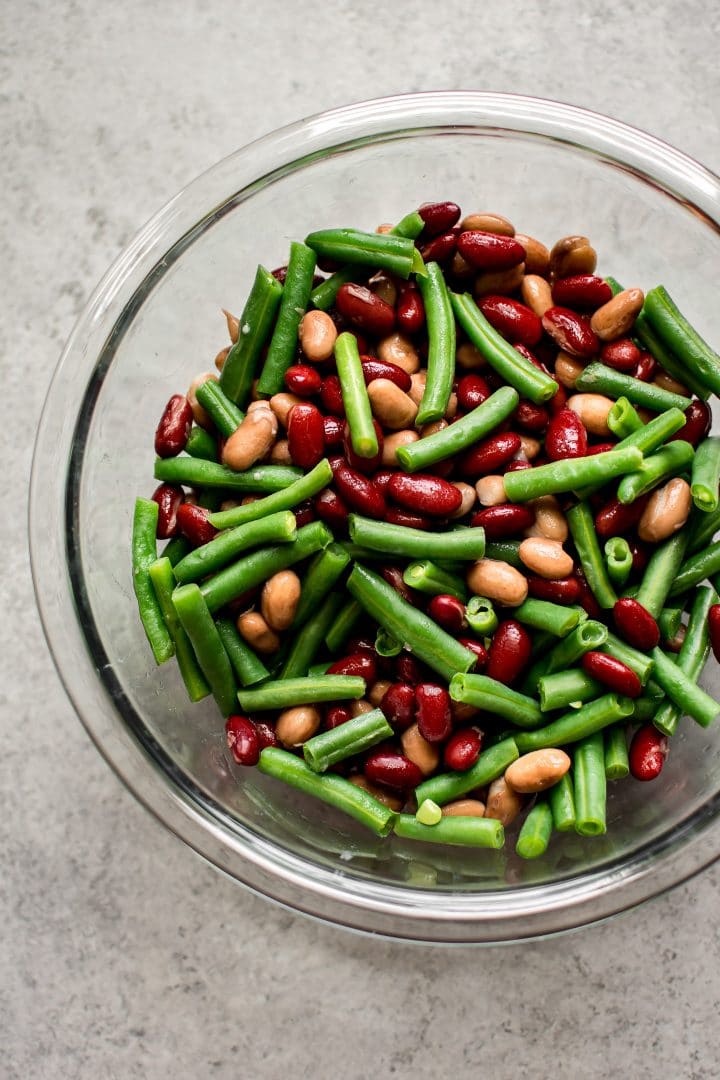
(155,321)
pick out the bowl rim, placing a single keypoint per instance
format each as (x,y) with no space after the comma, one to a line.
(394,911)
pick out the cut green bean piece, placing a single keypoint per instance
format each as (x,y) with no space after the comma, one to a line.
(427,577)
(536,830)
(286,499)
(481,616)
(201,444)
(496,698)
(441,345)
(706,475)
(617,762)
(383,251)
(248,667)
(670,621)
(277,528)
(223,412)
(544,615)
(692,656)
(600,379)
(682,691)
(572,474)
(322,575)
(176,549)
(254,328)
(355,396)
(386,644)
(323,295)
(410,543)
(346,740)
(144,554)
(529,381)
(507,551)
(411,226)
(565,688)
(676,332)
(587,635)
(286,693)
(666,358)
(654,434)
(461,434)
(577,724)
(194,472)
(582,528)
(623,419)
(590,786)
(428,813)
(464,831)
(637,661)
(207,645)
(447,787)
(704,564)
(665,463)
(305,645)
(343,625)
(618,560)
(293,304)
(561,797)
(331,789)
(163,581)
(660,573)
(702,528)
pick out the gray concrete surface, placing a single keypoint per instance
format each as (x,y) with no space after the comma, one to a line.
(121,954)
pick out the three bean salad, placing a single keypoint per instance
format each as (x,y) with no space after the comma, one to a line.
(440,532)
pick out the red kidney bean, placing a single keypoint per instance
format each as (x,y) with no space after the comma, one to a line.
(392,769)
(698,419)
(410,670)
(359,492)
(304,514)
(306,436)
(303,380)
(636,624)
(363,464)
(504,520)
(518,466)
(434,718)
(563,591)
(192,521)
(168,497)
(395,516)
(394,576)
(476,647)
(438,217)
(490,251)
(331,509)
(509,652)
(571,332)
(462,749)
(242,740)
(449,612)
(173,429)
(335,716)
(623,354)
(647,753)
(359,664)
(472,390)
(640,557)
(646,367)
(410,310)
(373,368)
(266,734)
(566,436)
(714,628)
(531,417)
(600,448)
(617,519)
(440,248)
(381,479)
(398,705)
(361,644)
(612,673)
(586,291)
(333,430)
(425,494)
(331,396)
(586,596)
(365,309)
(516,322)
(490,454)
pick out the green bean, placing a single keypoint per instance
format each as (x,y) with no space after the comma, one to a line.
(331,789)
(670,620)
(343,625)
(564,688)
(386,644)
(661,571)
(496,698)
(461,434)
(704,564)
(163,582)
(667,360)
(416,630)
(410,543)
(675,331)
(196,472)
(446,787)
(256,568)
(544,615)
(144,554)
(543,642)
(587,635)
(248,667)
(286,693)
(322,575)
(692,656)
(303,488)
(201,444)
(441,345)
(648,704)
(599,379)
(507,551)
(702,528)
(536,830)
(360,553)
(561,797)
(665,463)
(320,669)
(571,474)
(577,724)
(427,577)
(623,420)
(323,295)
(207,645)
(305,645)
(481,616)
(617,763)
(654,434)
(411,225)
(590,786)
(223,412)
(618,560)
(212,498)
(293,303)
(641,664)
(176,549)
(383,251)
(222,549)
(254,326)
(682,691)
(706,474)
(582,529)
(355,396)
(529,381)
(465,831)
(355,735)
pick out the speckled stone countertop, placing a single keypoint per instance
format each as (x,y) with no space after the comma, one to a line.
(121,954)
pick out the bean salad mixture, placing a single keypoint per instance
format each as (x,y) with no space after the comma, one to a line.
(441,530)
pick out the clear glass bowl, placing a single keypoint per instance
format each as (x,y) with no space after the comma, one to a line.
(155,321)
